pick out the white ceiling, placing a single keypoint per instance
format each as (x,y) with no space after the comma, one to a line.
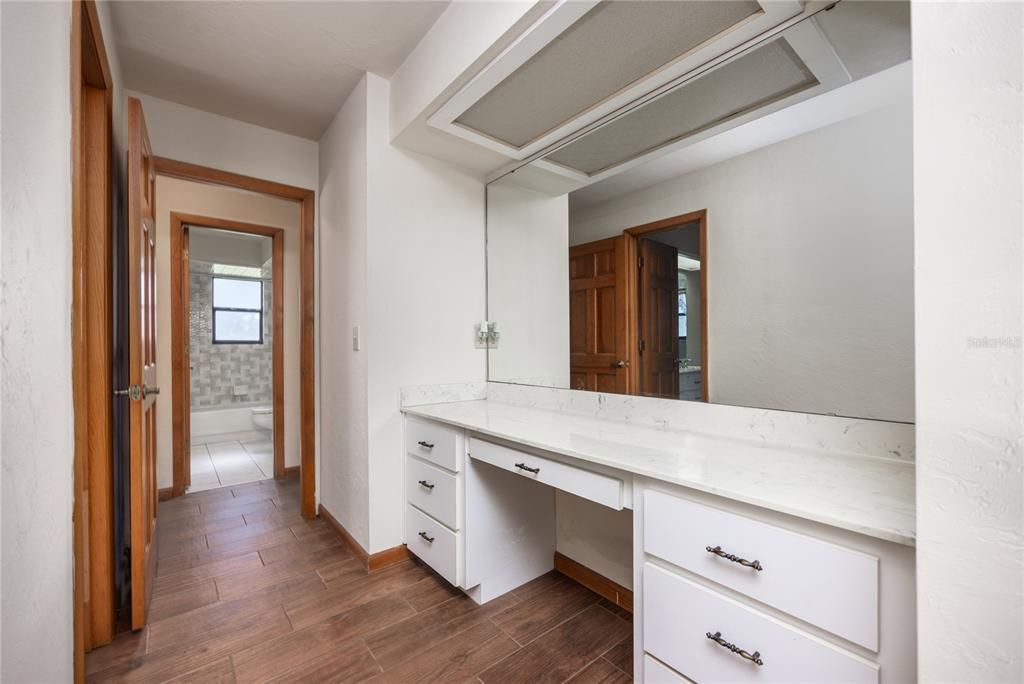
(283,65)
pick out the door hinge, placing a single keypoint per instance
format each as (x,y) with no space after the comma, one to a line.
(640,262)
(133,392)
(641,346)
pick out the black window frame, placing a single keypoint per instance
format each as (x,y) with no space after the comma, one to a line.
(215,309)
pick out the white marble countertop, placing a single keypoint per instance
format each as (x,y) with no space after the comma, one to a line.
(865,494)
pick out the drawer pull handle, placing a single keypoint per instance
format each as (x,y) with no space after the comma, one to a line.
(428,538)
(426,484)
(523,466)
(717,550)
(425,445)
(754,657)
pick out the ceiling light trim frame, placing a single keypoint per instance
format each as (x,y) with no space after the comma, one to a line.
(810,45)
(554,22)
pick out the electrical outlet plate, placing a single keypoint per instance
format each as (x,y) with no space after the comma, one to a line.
(486,335)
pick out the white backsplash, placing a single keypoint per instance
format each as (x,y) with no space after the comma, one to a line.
(848,435)
(419,395)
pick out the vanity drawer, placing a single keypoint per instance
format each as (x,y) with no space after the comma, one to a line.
(433,543)
(679,615)
(829,586)
(433,442)
(432,490)
(586,484)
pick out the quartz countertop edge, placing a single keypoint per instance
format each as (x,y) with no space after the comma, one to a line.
(863,494)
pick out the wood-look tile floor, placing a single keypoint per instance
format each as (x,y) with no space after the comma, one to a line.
(248,591)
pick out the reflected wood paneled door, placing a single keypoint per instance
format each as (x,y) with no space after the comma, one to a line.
(598,342)
(142,392)
(659,320)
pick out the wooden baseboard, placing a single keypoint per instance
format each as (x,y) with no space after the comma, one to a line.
(597,583)
(291,471)
(373,561)
(165,493)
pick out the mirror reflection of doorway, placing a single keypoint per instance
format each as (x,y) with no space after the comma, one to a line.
(670,292)
(638,313)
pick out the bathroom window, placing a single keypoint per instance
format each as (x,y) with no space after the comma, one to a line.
(237,311)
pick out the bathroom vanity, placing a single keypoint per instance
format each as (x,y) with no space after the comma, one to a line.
(752,561)
(741,238)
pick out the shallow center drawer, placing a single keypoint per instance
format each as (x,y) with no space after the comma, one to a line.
(433,490)
(434,442)
(829,586)
(711,638)
(587,484)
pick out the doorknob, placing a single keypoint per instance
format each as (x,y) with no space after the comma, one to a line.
(620,364)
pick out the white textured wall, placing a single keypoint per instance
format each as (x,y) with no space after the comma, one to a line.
(968,125)
(425,245)
(191,135)
(187,197)
(810,266)
(37,443)
(527,284)
(344,465)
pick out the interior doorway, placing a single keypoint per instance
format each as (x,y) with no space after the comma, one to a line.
(230,294)
(223,360)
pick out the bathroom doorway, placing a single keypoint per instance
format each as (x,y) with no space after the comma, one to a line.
(228,351)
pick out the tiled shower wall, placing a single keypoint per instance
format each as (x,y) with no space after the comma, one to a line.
(216,369)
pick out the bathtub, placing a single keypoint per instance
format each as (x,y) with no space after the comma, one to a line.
(219,420)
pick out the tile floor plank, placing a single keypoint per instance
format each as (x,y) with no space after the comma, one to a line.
(455,659)
(563,652)
(392,645)
(545,610)
(265,661)
(601,672)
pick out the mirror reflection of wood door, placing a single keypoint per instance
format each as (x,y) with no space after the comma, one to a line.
(598,317)
(142,390)
(659,320)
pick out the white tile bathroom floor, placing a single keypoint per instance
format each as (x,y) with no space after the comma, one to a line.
(222,463)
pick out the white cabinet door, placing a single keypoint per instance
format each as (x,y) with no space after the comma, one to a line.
(827,585)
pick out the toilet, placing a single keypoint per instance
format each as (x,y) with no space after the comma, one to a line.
(263,417)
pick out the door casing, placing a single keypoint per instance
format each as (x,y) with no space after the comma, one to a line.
(307,360)
(92,334)
(633,236)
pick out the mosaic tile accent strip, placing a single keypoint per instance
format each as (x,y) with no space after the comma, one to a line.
(218,368)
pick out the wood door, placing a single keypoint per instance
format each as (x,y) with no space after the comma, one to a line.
(599,356)
(659,319)
(142,390)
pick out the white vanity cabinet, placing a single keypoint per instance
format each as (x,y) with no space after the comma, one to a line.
(724,591)
(731,593)
(434,463)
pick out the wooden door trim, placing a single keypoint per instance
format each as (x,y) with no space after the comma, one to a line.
(307,369)
(633,236)
(91,334)
(180,370)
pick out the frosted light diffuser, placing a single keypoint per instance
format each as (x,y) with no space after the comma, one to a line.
(614,45)
(759,77)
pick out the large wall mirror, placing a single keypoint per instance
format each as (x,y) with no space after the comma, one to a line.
(744,236)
